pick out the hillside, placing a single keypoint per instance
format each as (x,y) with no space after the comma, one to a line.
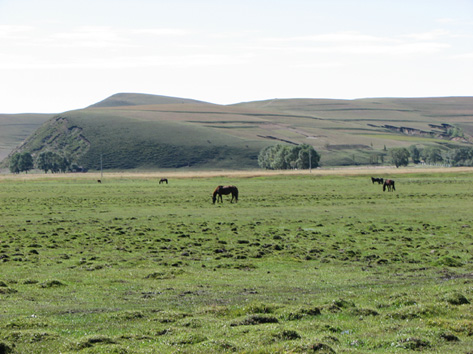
(14,128)
(135,131)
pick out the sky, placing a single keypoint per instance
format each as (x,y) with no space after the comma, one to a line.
(60,55)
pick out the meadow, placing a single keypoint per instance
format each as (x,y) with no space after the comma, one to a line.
(303,263)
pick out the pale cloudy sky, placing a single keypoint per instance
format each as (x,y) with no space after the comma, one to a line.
(58,55)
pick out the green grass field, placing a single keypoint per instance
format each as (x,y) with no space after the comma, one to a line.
(302,263)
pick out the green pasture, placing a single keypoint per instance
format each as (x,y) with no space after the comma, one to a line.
(301,264)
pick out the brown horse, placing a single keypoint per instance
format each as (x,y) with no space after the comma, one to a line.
(389,183)
(224,190)
(163,180)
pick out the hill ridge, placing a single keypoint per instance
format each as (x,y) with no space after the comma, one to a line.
(140,99)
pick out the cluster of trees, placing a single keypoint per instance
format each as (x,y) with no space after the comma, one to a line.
(432,155)
(21,163)
(46,161)
(285,157)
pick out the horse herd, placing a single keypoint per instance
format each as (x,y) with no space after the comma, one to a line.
(387,184)
(225,190)
(233,190)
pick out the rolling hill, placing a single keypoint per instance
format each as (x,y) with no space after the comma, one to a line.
(137,131)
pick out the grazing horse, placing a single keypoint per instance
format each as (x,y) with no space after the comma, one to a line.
(162,180)
(379,180)
(224,190)
(390,184)
(99,181)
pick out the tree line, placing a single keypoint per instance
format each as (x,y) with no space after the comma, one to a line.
(285,157)
(275,157)
(46,161)
(432,155)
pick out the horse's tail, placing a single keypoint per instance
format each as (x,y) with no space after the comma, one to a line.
(393,186)
(236,194)
(384,186)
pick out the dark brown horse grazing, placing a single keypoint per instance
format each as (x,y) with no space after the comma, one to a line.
(379,180)
(389,183)
(163,180)
(224,190)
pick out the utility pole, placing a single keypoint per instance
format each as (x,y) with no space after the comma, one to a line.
(101,168)
(310,161)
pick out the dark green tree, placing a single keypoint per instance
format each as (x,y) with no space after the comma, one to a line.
(399,156)
(64,164)
(21,162)
(26,162)
(415,154)
(15,163)
(42,162)
(50,161)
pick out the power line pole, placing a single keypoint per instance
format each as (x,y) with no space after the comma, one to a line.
(310,161)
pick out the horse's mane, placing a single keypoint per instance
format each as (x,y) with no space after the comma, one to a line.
(216,190)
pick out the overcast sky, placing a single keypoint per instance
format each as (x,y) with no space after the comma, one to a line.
(59,55)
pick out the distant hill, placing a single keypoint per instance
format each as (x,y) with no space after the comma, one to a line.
(14,128)
(140,99)
(137,131)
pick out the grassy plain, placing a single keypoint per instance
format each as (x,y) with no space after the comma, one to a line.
(321,262)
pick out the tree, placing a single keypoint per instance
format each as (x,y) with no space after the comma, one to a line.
(415,154)
(283,157)
(21,162)
(432,155)
(455,132)
(304,152)
(265,157)
(400,156)
(64,164)
(26,162)
(461,157)
(14,163)
(50,161)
